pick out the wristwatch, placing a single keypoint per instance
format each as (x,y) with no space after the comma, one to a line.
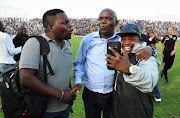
(131,69)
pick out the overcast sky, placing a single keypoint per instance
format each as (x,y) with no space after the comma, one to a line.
(166,10)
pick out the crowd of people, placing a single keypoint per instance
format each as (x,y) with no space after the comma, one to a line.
(84,26)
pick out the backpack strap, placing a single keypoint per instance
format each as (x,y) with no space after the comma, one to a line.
(44,50)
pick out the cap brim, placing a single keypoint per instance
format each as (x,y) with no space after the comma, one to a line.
(122,34)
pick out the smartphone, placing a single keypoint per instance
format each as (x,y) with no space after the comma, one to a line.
(116,45)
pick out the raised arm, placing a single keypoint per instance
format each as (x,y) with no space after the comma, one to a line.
(144,76)
(157,37)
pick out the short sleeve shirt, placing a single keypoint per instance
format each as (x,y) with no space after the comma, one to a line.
(61,63)
(154,41)
(169,42)
(145,38)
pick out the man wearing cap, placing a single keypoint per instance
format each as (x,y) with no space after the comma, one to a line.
(132,96)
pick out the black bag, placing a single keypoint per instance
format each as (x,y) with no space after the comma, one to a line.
(17,100)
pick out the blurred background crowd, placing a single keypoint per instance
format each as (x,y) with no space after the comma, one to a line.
(84,26)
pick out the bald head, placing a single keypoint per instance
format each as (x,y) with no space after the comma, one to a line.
(22,30)
(21,26)
(107,23)
(113,13)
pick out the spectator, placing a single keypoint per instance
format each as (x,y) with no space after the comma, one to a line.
(151,40)
(134,84)
(20,40)
(57,29)
(151,37)
(98,81)
(7,50)
(84,26)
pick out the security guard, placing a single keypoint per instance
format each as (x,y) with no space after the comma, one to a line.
(169,43)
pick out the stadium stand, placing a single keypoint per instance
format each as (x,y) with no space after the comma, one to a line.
(84,26)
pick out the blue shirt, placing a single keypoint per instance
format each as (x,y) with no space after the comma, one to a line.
(90,63)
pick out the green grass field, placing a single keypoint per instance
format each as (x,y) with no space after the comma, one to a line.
(170,105)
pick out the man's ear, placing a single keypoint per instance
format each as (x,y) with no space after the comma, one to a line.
(50,27)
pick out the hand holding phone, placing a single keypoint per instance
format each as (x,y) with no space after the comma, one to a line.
(116,45)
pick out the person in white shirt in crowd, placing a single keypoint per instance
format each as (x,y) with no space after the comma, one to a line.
(7,50)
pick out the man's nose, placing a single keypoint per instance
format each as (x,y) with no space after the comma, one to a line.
(103,20)
(127,42)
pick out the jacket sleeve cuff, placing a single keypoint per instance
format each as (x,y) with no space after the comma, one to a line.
(77,81)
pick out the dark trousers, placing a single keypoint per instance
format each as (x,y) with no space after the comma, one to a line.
(61,114)
(96,102)
(168,61)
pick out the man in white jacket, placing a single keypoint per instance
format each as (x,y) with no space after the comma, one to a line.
(133,97)
(7,50)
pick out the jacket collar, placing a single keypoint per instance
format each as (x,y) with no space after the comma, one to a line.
(97,35)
